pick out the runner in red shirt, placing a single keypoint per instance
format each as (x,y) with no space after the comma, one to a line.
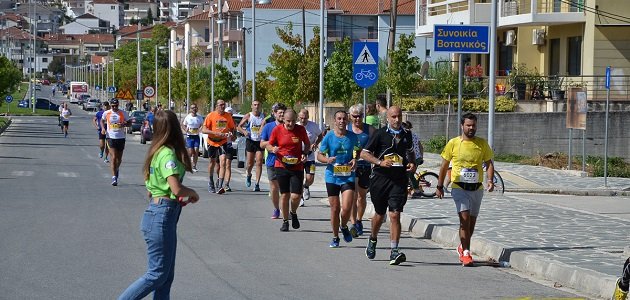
(287,141)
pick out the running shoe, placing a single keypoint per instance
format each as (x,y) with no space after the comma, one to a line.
(467,260)
(257,189)
(619,294)
(397,257)
(221,191)
(65,134)
(347,236)
(285,225)
(211,188)
(460,251)
(248,181)
(353,231)
(194,169)
(359,226)
(276,214)
(416,194)
(306,194)
(334,243)
(301,202)
(100,155)
(370,251)
(106,160)
(227,188)
(295,223)
(114,180)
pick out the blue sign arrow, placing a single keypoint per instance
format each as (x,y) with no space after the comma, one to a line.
(461,38)
(608,78)
(111,89)
(365,66)
(97,87)
(8,99)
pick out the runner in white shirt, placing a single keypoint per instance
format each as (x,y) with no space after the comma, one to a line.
(65,114)
(192,125)
(113,124)
(254,121)
(314,136)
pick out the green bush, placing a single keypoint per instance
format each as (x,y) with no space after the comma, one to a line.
(435,144)
(617,167)
(426,103)
(505,104)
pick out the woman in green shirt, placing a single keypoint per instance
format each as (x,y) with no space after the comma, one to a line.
(371,117)
(164,168)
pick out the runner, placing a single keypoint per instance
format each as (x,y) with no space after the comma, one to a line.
(254,121)
(468,153)
(231,153)
(381,107)
(219,126)
(113,124)
(314,137)
(419,151)
(391,150)
(287,143)
(363,169)
(164,170)
(191,126)
(623,283)
(337,150)
(274,190)
(65,114)
(101,137)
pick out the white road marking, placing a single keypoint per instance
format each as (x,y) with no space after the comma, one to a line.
(22,173)
(67,174)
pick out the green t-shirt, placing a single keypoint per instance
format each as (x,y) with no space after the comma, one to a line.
(372,120)
(163,165)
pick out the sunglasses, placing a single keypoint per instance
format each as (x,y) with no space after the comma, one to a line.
(356,116)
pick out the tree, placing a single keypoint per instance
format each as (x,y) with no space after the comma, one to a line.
(284,66)
(225,83)
(402,74)
(149,19)
(56,66)
(339,85)
(263,86)
(308,80)
(10,75)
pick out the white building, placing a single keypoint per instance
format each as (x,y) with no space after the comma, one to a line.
(108,10)
(139,9)
(86,23)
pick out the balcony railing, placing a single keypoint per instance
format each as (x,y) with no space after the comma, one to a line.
(520,7)
(334,34)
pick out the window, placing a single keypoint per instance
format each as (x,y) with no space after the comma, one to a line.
(574,55)
(44,59)
(112,7)
(554,57)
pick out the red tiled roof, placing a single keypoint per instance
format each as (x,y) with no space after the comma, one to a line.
(11,16)
(200,16)
(78,38)
(16,33)
(350,7)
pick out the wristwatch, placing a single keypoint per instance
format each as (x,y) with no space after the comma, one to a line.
(439,187)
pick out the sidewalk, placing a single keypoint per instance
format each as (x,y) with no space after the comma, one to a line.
(576,248)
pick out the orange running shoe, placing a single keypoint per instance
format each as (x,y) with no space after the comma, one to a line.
(467,260)
(460,251)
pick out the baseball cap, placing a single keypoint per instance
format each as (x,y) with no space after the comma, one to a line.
(114,102)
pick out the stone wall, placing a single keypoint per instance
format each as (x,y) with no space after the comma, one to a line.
(536,133)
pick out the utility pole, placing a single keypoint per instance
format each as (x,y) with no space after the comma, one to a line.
(304,29)
(391,42)
(243,61)
(220,22)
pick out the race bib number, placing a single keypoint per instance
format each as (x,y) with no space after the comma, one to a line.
(115,127)
(289,160)
(469,175)
(255,129)
(221,124)
(396,159)
(312,168)
(342,170)
(193,130)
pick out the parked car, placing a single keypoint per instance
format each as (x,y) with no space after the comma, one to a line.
(92,104)
(45,82)
(137,119)
(83,99)
(38,87)
(43,103)
(23,104)
(238,144)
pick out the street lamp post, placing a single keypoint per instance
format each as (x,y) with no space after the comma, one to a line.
(138,71)
(254,44)
(188,48)
(156,72)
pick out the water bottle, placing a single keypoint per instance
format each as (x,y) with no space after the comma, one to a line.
(504,264)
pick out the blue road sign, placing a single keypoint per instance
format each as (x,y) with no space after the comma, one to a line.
(8,99)
(461,38)
(608,78)
(365,66)
(111,89)
(97,87)
(139,95)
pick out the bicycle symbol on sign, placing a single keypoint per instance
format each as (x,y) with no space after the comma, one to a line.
(365,74)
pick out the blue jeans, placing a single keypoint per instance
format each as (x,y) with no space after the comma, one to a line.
(159,227)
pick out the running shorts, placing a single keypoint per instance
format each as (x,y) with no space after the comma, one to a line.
(289,180)
(387,192)
(309,167)
(252,146)
(333,190)
(363,173)
(192,141)
(118,144)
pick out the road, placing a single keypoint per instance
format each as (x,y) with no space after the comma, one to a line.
(68,234)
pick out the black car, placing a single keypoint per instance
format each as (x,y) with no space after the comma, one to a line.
(137,118)
(43,103)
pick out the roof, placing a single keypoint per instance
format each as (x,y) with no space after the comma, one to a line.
(81,38)
(16,33)
(197,17)
(11,16)
(105,2)
(87,16)
(350,7)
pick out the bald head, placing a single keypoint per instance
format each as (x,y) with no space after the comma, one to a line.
(303,116)
(394,117)
(289,118)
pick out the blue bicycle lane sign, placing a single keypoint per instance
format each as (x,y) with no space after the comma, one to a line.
(365,66)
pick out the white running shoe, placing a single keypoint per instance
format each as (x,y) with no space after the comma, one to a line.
(306,194)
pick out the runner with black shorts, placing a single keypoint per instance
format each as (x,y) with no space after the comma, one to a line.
(337,150)
(314,136)
(219,126)
(270,161)
(363,168)
(113,124)
(254,121)
(287,142)
(104,150)
(391,150)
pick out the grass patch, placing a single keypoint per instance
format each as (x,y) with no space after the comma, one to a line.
(435,144)
(617,167)
(511,158)
(3,121)
(19,95)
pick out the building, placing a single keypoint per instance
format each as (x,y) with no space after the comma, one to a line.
(555,37)
(48,18)
(139,9)
(181,10)
(8,20)
(16,44)
(84,24)
(75,8)
(110,11)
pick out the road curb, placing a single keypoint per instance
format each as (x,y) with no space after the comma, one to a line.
(583,192)
(5,126)
(585,281)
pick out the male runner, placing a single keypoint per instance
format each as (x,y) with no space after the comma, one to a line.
(191,126)
(314,137)
(231,153)
(363,168)
(287,142)
(467,153)
(278,118)
(337,150)
(254,121)
(65,114)
(101,137)
(219,126)
(113,124)
(623,283)
(391,150)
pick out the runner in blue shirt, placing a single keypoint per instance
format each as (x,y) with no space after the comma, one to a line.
(274,190)
(338,150)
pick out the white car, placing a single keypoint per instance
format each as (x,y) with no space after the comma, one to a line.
(238,144)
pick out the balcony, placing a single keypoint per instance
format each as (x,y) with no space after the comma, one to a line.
(540,12)
(467,12)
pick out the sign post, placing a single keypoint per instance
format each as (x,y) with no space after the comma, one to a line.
(608,69)
(365,66)
(462,39)
(8,99)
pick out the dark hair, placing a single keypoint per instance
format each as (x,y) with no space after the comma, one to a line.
(468,116)
(278,106)
(381,100)
(345,113)
(371,109)
(167,132)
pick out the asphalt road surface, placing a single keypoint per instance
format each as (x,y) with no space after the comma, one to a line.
(68,234)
